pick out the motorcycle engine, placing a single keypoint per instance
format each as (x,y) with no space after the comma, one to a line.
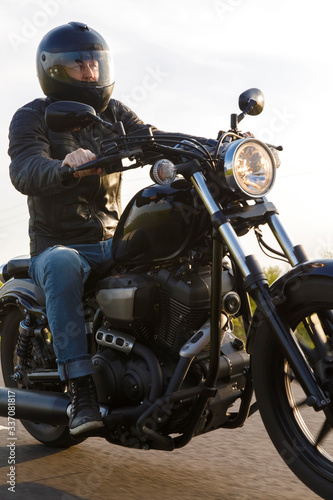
(160,312)
(163,311)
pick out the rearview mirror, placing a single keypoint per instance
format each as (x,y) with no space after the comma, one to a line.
(67,116)
(249,96)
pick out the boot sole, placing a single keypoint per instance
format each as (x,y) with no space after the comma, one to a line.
(87,426)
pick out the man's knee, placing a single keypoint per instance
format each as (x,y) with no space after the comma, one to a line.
(63,260)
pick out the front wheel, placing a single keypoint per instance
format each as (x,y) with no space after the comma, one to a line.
(51,435)
(302,436)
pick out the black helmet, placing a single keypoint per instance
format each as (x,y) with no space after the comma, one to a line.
(62,56)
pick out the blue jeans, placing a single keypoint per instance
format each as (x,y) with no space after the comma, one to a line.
(61,272)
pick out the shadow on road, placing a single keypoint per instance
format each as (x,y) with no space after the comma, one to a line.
(35,491)
(26,453)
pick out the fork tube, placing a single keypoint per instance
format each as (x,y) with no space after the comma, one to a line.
(283,239)
(295,255)
(221,223)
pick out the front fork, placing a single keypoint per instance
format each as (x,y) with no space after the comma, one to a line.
(256,285)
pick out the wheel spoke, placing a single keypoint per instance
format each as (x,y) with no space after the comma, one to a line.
(326,320)
(308,325)
(303,402)
(309,352)
(315,327)
(326,428)
(289,372)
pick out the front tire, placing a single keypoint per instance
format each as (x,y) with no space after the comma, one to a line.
(303,437)
(51,435)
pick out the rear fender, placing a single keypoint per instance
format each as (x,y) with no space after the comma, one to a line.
(288,283)
(25,295)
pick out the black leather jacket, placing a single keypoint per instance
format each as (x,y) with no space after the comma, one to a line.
(85,211)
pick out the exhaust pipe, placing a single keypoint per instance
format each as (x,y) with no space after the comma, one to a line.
(36,406)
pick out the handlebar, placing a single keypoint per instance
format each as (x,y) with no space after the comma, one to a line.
(142,148)
(145,148)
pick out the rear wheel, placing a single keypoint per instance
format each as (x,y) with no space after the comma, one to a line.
(302,436)
(50,435)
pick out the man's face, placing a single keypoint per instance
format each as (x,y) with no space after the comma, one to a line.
(83,71)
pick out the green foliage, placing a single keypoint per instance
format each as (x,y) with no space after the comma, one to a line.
(272,273)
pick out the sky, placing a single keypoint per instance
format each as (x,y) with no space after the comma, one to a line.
(181,65)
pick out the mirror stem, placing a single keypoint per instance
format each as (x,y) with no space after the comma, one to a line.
(248,108)
(117,128)
(234,122)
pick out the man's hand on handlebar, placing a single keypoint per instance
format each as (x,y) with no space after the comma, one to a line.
(79,157)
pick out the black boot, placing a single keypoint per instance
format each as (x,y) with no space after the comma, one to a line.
(85,414)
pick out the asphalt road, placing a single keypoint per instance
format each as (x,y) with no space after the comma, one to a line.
(235,464)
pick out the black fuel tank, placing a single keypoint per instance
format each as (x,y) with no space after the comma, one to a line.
(157,224)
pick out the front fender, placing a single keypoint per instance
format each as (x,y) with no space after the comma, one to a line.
(23,294)
(288,283)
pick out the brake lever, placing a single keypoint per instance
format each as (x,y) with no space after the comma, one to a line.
(110,163)
(98,163)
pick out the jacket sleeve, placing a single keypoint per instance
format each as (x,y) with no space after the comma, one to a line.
(32,171)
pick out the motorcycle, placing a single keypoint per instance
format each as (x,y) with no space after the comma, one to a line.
(163,325)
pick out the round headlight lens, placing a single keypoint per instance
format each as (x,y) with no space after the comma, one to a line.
(250,167)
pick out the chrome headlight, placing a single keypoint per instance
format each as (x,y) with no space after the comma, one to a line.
(249,167)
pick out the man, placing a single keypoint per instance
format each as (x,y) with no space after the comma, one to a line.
(72,222)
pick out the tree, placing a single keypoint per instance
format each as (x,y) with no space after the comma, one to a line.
(272,273)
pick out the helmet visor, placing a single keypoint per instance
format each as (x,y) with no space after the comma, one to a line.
(93,67)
